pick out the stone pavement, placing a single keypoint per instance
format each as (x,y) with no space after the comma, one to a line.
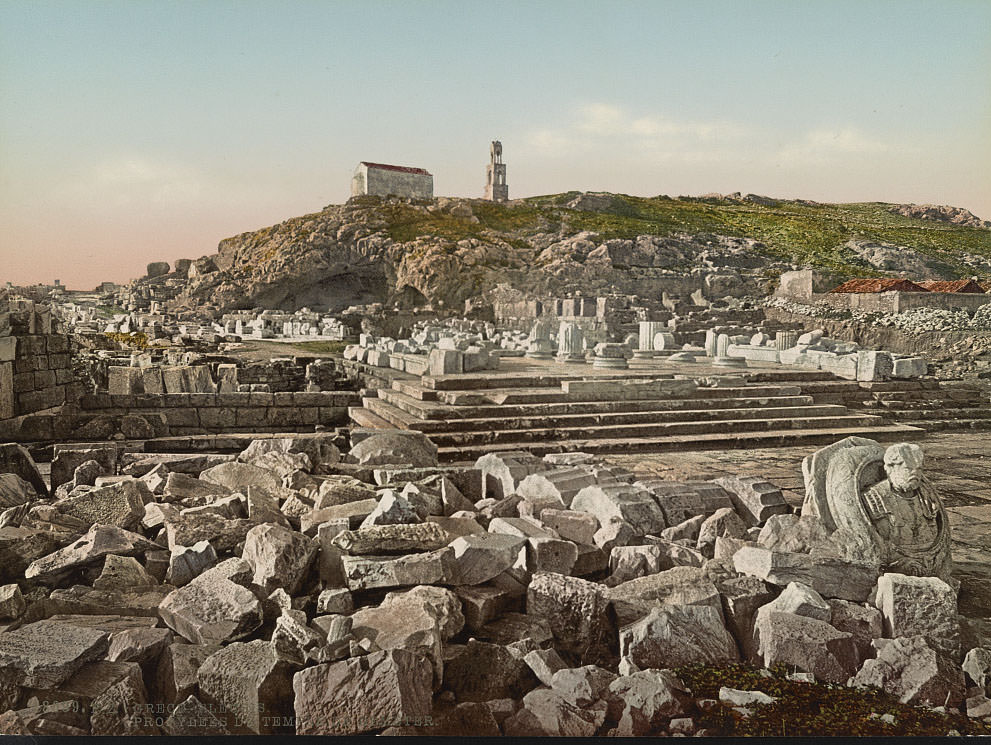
(959,465)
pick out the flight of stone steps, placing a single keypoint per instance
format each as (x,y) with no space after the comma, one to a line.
(468,417)
(931,405)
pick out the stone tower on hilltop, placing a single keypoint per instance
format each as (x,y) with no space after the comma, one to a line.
(496,188)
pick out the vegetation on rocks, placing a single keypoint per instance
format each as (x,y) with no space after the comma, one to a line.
(814,709)
(448,249)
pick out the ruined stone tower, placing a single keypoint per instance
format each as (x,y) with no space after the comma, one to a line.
(496,188)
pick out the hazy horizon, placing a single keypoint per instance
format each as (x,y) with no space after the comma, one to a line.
(133,132)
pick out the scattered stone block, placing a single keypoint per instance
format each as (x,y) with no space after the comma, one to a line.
(578,613)
(362,694)
(479,558)
(12,604)
(634,599)
(46,653)
(863,622)
(830,577)
(643,702)
(621,502)
(99,542)
(187,563)
(808,644)
(239,476)
(212,608)
(924,606)
(278,557)
(913,672)
(193,718)
(754,498)
(122,574)
(482,671)
(676,635)
(251,681)
(367,573)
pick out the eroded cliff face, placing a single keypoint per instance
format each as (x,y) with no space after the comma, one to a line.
(367,251)
(445,251)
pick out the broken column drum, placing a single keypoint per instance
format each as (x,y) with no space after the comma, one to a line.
(540,347)
(785,340)
(645,347)
(570,342)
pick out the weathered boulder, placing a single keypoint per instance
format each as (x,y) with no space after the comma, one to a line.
(114,695)
(544,663)
(676,635)
(924,606)
(252,682)
(362,694)
(278,557)
(139,645)
(630,562)
(913,672)
(809,644)
(15,491)
(554,489)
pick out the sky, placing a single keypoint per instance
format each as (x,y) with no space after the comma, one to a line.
(134,131)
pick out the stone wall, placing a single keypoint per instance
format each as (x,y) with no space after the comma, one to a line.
(896,302)
(35,364)
(205,413)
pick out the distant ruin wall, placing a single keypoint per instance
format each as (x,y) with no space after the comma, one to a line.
(897,302)
(385,182)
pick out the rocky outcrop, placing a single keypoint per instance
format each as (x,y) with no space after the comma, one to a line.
(941,213)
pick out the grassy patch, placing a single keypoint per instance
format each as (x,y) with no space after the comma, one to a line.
(135,340)
(814,709)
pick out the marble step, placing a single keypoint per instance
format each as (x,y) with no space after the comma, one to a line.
(712,413)
(713,441)
(427,410)
(634,432)
(362,417)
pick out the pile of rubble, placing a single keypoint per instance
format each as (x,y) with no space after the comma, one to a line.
(291,588)
(915,320)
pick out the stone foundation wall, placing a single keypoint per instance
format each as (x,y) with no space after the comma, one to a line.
(897,302)
(101,416)
(35,364)
(205,413)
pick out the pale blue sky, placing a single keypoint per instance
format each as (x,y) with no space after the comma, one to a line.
(134,131)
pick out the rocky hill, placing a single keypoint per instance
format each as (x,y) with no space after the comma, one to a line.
(446,250)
